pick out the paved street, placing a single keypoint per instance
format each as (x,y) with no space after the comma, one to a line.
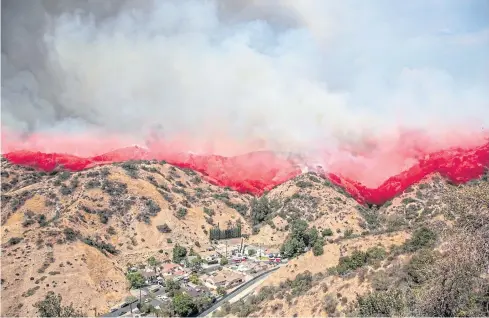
(237,291)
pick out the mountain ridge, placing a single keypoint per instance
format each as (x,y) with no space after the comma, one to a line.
(259,172)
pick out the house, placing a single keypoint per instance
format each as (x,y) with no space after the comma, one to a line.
(170,268)
(150,276)
(226,279)
(209,268)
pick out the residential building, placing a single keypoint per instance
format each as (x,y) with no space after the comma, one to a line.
(149,275)
(209,268)
(170,268)
(225,278)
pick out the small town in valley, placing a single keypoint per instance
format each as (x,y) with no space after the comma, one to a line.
(191,283)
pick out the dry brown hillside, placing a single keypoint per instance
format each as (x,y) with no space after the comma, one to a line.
(75,233)
(426,253)
(48,219)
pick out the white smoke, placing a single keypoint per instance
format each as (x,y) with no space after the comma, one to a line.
(294,75)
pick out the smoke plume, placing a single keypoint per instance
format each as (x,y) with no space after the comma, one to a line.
(339,81)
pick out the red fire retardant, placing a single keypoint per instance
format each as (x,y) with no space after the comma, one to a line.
(258,172)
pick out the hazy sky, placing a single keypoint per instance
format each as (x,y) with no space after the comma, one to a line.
(291,73)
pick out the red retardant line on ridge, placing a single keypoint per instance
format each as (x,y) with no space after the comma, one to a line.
(258,172)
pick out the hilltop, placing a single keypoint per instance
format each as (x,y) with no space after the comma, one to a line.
(258,172)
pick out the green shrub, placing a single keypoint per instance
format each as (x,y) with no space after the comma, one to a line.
(70,234)
(417,268)
(327,232)
(209,212)
(111,231)
(422,237)
(14,240)
(375,254)
(163,228)
(382,304)
(330,304)
(317,249)
(348,233)
(181,213)
(303,184)
(102,246)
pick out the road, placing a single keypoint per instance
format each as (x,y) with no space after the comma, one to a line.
(236,292)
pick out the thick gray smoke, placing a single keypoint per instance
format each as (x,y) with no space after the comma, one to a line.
(289,73)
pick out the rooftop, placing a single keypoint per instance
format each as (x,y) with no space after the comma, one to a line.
(169,266)
(225,276)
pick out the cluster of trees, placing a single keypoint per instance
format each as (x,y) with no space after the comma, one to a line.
(263,208)
(101,245)
(301,239)
(358,259)
(182,304)
(218,234)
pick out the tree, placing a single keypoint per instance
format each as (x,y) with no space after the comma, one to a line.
(317,249)
(194,279)
(136,279)
(153,262)
(51,307)
(251,252)
(292,247)
(221,291)
(196,264)
(312,236)
(179,253)
(262,208)
(299,228)
(172,287)
(327,232)
(203,302)
(184,305)
(224,261)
